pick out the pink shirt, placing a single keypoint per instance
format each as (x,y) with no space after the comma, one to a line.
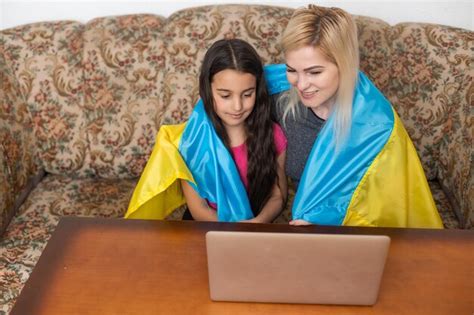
(239,153)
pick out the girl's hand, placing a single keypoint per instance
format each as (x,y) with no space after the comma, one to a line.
(299,222)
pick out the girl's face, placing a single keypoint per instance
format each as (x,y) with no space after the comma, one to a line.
(315,78)
(234,96)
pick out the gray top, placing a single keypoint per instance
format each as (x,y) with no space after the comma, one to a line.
(301,134)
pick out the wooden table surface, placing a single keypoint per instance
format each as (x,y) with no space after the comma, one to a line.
(117,266)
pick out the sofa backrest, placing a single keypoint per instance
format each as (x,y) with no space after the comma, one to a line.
(97,93)
(45,59)
(123,68)
(93,91)
(190,32)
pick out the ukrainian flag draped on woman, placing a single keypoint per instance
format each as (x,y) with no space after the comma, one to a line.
(374,179)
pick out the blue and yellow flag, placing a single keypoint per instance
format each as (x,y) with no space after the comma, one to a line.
(194,152)
(375,179)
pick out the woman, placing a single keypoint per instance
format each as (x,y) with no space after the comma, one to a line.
(229,156)
(348,151)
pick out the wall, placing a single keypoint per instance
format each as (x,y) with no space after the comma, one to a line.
(458,13)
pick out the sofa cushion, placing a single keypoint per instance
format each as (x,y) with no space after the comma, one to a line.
(445,210)
(33,224)
(56,196)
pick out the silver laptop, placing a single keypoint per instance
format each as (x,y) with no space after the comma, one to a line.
(295,267)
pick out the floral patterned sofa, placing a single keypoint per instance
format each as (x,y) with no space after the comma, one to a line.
(81,105)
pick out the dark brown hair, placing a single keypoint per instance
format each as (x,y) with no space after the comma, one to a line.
(239,55)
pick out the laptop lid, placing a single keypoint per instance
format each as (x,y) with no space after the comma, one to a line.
(295,268)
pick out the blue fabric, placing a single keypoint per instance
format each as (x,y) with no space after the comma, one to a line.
(275,75)
(331,176)
(213,168)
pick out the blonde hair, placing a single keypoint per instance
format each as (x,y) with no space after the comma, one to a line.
(334,33)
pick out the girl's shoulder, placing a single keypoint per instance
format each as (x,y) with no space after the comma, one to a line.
(278,105)
(277,130)
(279,138)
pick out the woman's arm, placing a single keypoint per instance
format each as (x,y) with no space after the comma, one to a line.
(277,200)
(198,206)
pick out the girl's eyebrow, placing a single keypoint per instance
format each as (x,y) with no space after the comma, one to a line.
(226,90)
(307,69)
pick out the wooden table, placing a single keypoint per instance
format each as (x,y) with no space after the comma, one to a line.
(116,266)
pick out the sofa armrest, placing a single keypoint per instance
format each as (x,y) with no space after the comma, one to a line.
(19,170)
(6,193)
(454,46)
(431,88)
(456,155)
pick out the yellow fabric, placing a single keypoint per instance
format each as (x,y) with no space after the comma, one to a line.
(158,191)
(394,191)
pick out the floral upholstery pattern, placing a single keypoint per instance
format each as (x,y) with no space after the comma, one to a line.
(445,209)
(93,92)
(189,33)
(84,103)
(32,226)
(17,149)
(374,49)
(43,58)
(123,68)
(6,197)
(432,88)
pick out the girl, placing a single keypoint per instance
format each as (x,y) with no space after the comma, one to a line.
(231,155)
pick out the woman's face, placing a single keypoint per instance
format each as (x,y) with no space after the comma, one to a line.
(234,95)
(315,78)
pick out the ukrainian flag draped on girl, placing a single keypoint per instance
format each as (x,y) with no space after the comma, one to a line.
(194,152)
(374,179)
